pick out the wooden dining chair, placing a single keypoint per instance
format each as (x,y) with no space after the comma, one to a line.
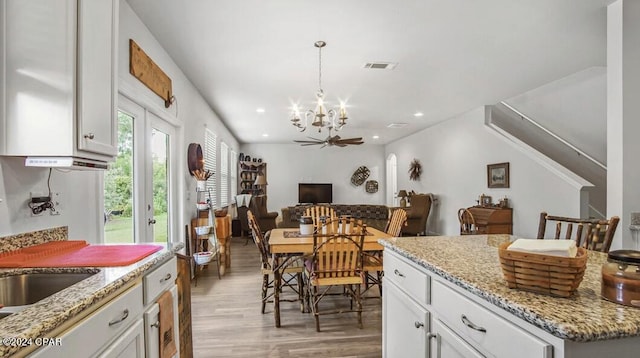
(318,211)
(372,261)
(467,222)
(336,261)
(291,275)
(592,234)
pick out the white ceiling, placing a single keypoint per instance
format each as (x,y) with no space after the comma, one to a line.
(452,56)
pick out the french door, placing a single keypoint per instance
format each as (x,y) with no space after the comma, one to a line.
(138,185)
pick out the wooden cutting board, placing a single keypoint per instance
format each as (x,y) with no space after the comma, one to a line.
(76,254)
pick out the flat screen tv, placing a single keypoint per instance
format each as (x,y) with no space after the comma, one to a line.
(315,193)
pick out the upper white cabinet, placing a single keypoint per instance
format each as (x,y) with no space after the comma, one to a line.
(58,89)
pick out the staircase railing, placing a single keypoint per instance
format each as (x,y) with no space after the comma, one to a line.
(557,137)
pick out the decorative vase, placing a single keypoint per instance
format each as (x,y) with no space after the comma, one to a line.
(201,185)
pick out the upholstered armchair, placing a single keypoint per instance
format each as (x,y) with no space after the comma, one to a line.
(417,215)
(266,220)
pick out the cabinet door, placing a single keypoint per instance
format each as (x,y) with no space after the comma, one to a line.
(405,325)
(38,51)
(449,345)
(97,73)
(129,345)
(152,329)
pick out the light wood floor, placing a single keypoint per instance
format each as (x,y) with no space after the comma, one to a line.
(227,322)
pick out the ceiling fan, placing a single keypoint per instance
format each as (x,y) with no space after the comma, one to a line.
(331,141)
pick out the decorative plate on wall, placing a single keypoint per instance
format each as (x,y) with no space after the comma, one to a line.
(195,160)
(360,175)
(371,186)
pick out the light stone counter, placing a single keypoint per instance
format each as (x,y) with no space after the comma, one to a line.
(472,263)
(35,321)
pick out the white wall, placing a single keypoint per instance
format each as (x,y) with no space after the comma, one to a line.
(80,192)
(454,156)
(573,107)
(290,164)
(190,114)
(78,202)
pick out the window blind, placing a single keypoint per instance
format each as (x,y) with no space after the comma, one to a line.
(224,174)
(233,173)
(210,159)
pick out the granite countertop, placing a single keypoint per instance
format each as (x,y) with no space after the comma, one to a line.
(38,319)
(472,263)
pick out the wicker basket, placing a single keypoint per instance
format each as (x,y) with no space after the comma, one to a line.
(550,275)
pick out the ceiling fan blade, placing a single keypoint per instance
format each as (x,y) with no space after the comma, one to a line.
(308,141)
(349,141)
(308,144)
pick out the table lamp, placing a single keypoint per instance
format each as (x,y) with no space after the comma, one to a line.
(261,180)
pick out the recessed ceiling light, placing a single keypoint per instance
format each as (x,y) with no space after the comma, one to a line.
(418,114)
(375,137)
(260,110)
(265,134)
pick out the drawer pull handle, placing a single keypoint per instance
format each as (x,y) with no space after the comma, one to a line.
(89,136)
(156,324)
(167,277)
(431,335)
(125,314)
(470,324)
(418,324)
(398,273)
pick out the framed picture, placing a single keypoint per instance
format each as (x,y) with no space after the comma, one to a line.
(498,175)
(486,200)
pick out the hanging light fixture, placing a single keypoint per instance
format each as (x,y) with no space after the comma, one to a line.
(320,117)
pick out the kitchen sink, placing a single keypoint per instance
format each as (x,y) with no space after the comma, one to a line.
(29,288)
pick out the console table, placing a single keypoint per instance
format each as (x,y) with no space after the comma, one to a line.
(492,220)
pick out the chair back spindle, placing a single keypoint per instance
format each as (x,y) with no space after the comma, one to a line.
(318,211)
(397,220)
(592,234)
(467,222)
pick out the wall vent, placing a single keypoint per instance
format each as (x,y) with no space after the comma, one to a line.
(397,125)
(380,65)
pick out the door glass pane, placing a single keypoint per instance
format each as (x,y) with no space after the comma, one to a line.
(160,157)
(118,187)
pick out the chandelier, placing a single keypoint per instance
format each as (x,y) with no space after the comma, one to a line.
(321,117)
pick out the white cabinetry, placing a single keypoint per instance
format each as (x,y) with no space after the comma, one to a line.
(87,337)
(124,326)
(406,325)
(482,328)
(427,316)
(129,345)
(406,320)
(155,283)
(449,345)
(58,83)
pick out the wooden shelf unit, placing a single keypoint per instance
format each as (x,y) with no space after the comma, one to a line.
(247,174)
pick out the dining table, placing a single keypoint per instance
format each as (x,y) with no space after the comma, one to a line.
(287,244)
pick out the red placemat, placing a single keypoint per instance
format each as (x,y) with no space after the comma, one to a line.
(76,254)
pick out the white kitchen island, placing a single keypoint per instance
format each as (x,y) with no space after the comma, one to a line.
(445,296)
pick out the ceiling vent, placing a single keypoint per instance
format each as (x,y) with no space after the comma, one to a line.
(397,125)
(380,65)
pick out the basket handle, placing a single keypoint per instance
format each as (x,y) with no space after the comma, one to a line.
(471,325)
